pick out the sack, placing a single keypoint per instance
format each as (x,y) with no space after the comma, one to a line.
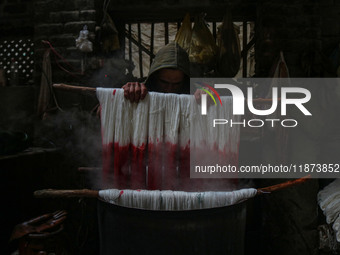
(82,42)
(229,57)
(183,36)
(203,49)
(109,35)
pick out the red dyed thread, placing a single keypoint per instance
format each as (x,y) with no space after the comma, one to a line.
(121,193)
(56,54)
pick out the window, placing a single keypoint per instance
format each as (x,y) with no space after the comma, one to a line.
(143,40)
(21,51)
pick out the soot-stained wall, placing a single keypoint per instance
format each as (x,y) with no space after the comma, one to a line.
(294,25)
(297,27)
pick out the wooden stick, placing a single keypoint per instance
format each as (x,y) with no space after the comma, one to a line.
(72,88)
(89,169)
(65,193)
(282,185)
(48,193)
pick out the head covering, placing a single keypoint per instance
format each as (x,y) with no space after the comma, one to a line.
(170,56)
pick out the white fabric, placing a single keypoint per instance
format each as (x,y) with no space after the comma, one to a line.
(329,202)
(156,117)
(171,118)
(174,200)
(163,110)
(336,224)
(184,130)
(139,116)
(336,228)
(220,143)
(131,122)
(167,118)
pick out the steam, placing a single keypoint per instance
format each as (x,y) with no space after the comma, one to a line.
(17,111)
(112,74)
(77,133)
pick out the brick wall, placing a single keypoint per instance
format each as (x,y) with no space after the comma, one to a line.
(60,22)
(295,25)
(329,24)
(16,18)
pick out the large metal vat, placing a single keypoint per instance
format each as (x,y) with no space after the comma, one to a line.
(207,231)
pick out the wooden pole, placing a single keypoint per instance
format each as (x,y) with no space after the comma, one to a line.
(72,88)
(244,43)
(52,193)
(282,185)
(47,193)
(89,169)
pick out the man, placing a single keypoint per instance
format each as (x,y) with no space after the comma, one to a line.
(169,73)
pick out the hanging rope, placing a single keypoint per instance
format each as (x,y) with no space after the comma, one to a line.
(75,73)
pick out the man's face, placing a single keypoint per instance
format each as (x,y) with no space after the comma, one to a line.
(169,81)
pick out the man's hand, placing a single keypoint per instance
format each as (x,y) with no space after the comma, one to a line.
(39,225)
(135,91)
(198,95)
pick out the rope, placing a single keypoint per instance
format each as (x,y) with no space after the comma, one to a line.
(76,72)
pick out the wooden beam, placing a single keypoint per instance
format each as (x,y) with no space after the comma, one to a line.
(248,46)
(214,31)
(140,53)
(130,43)
(140,45)
(157,13)
(166,33)
(244,43)
(152,55)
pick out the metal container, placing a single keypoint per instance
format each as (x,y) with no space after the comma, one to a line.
(208,231)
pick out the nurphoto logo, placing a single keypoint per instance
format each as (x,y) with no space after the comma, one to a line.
(239,104)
